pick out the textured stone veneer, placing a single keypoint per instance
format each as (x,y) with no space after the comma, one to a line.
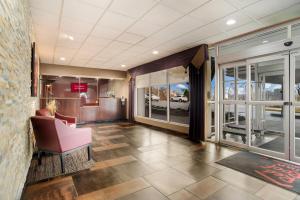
(16,105)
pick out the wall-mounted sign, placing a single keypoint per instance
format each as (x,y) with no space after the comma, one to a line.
(76,87)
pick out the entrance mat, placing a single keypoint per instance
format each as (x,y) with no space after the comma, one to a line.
(279,173)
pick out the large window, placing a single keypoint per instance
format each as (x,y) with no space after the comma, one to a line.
(143,102)
(164,95)
(159,102)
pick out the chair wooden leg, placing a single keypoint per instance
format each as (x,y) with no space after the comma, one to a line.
(62,163)
(39,158)
(89,148)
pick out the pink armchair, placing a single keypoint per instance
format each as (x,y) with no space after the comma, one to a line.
(71,121)
(53,136)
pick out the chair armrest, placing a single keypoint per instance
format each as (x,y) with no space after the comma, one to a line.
(72,138)
(69,119)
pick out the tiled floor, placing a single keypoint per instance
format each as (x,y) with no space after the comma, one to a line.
(134,162)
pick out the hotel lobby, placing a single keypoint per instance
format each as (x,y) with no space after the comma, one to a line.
(150,99)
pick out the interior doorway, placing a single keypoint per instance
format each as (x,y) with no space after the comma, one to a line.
(260,105)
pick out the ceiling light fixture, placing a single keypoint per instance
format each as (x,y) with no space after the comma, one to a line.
(155,52)
(265,41)
(62,58)
(123,65)
(230,22)
(71,37)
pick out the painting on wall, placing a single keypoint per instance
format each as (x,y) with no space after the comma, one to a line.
(35,66)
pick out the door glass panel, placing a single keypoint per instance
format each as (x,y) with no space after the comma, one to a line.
(267,80)
(229,84)
(297,78)
(297,131)
(234,123)
(267,130)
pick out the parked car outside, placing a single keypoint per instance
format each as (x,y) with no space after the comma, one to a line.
(180,98)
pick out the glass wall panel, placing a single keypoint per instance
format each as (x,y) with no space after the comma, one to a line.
(143,102)
(179,102)
(58,87)
(267,128)
(297,131)
(89,96)
(267,80)
(297,78)
(212,130)
(159,102)
(179,95)
(229,84)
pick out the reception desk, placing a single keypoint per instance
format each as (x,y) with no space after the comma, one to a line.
(109,109)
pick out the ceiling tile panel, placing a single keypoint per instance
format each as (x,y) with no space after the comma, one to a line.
(98,3)
(267,7)
(77,10)
(130,38)
(183,6)
(212,11)
(115,21)
(132,8)
(282,15)
(45,19)
(162,15)
(75,26)
(144,28)
(241,3)
(50,6)
(106,32)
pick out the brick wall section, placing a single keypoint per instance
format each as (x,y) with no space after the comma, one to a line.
(16,105)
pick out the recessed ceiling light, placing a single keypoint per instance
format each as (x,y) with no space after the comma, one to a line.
(71,37)
(155,52)
(265,41)
(62,58)
(230,22)
(123,65)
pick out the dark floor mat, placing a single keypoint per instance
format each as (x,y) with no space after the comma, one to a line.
(280,173)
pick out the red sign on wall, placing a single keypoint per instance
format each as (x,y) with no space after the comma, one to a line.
(76,87)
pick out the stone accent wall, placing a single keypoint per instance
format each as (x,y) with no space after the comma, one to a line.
(16,105)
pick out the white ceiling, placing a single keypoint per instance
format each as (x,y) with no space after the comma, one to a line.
(111,33)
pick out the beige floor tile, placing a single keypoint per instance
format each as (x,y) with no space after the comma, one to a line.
(145,194)
(110,147)
(106,132)
(271,192)
(116,191)
(183,195)
(240,180)
(169,181)
(113,162)
(206,187)
(233,193)
(99,138)
(157,166)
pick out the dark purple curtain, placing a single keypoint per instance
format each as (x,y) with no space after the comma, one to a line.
(131,99)
(197,118)
(197,95)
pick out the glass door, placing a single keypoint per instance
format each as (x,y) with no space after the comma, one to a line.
(268,105)
(233,108)
(295,107)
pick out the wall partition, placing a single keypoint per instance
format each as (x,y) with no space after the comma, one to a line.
(164,96)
